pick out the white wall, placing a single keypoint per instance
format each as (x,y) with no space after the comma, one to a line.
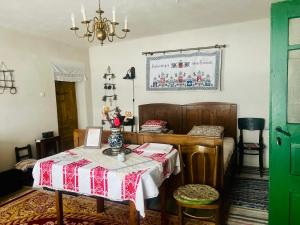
(245,78)
(25,115)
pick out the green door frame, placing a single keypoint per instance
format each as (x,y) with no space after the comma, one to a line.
(284,208)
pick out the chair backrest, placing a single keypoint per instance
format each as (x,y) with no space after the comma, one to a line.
(199,164)
(23,153)
(251,124)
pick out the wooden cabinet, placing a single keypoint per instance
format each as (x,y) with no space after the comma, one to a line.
(47,146)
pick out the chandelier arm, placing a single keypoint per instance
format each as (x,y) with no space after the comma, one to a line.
(87,27)
(105,20)
(107,29)
(95,21)
(92,38)
(110,38)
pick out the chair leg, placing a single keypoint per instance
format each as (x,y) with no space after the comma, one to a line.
(241,159)
(218,216)
(261,163)
(180,215)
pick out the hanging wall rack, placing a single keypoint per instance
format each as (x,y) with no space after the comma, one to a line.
(7,81)
(183,50)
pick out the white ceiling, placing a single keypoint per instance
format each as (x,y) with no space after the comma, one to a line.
(51,18)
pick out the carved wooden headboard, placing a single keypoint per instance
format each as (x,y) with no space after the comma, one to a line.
(181,118)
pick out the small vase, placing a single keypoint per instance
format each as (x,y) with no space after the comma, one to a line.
(115,140)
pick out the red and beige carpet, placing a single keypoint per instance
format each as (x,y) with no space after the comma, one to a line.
(248,206)
(38,208)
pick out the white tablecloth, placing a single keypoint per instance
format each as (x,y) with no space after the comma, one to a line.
(90,172)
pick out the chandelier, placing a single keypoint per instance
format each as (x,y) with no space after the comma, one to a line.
(100,27)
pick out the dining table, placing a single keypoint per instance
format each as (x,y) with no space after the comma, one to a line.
(90,172)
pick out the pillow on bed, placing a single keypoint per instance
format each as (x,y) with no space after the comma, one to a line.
(212,131)
(154,123)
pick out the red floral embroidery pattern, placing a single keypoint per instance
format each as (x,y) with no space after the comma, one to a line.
(161,157)
(46,173)
(155,123)
(138,152)
(70,174)
(99,184)
(130,184)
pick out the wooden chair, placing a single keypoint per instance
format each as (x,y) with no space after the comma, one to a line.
(23,153)
(200,170)
(25,163)
(247,148)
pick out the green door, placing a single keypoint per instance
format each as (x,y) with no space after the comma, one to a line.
(285,114)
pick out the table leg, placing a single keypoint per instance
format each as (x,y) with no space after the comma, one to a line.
(100,205)
(59,207)
(134,217)
(162,198)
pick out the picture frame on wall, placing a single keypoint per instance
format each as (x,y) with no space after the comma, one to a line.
(93,136)
(200,70)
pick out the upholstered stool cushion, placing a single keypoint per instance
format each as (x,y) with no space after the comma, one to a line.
(25,164)
(196,194)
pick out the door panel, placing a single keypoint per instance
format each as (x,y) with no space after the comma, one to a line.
(295,159)
(66,112)
(285,113)
(294,31)
(294,206)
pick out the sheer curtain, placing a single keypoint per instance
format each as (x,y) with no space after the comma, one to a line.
(68,72)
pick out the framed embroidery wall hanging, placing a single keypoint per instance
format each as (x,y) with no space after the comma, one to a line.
(200,70)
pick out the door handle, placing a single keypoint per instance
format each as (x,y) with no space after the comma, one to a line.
(286,133)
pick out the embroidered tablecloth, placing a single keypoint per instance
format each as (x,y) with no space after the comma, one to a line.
(90,172)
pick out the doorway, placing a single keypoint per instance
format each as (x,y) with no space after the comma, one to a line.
(66,112)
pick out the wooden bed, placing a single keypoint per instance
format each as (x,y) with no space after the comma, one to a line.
(182,118)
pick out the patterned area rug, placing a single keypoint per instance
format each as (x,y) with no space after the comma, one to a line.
(38,208)
(248,206)
(249,193)
(248,198)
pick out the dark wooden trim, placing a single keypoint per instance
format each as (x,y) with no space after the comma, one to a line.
(100,204)
(134,216)
(59,207)
(162,198)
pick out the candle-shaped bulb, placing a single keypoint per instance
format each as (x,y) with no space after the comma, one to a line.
(114,14)
(73,20)
(83,12)
(126,23)
(111,29)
